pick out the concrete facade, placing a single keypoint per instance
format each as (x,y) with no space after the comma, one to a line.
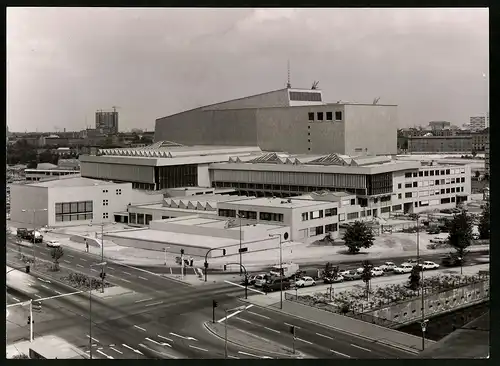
(440,144)
(275,122)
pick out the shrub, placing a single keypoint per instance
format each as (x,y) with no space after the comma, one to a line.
(21,356)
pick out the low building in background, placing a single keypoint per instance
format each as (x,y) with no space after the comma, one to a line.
(440,144)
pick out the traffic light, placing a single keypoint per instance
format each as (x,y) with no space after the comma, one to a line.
(30,320)
(191,261)
(27,269)
(292,330)
(206,264)
(225,267)
(102,275)
(37,306)
(214,304)
(182,251)
(223,251)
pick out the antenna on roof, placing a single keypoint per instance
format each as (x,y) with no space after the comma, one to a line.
(314,85)
(288,84)
(375,101)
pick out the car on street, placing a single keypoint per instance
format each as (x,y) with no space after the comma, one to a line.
(53,243)
(362,269)
(388,266)
(377,272)
(352,275)
(412,262)
(331,279)
(403,268)
(260,279)
(251,279)
(439,240)
(451,261)
(344,272)
(427,265)
(305,282)
(276,285)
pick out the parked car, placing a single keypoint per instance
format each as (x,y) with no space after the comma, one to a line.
(377,271)
(475,236)
(411,262)
(362,269)
(22,233)
(403,268)
(438,240)
(344,272)
(352,275)
(451,261)
(260,279)
(305,282)
(276,285)
(388,266)
(289,270)
(332,279)
(434,230)
(309,272)
(53,243)
(427,265)
(251,279)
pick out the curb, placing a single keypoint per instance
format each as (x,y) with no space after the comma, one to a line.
(245,346)
(402,348)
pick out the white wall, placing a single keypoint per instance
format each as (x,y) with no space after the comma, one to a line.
(28,197)
(203,176)
(95,194)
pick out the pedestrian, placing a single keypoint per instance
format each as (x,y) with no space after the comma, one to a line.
(86,246)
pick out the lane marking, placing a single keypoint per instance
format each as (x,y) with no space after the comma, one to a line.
(64,260)
(152,350)
(302,340)
(272,330)
(233,314)
(111,268)
(41,279)
(142,278)
(144,330)
(133,349)
(93,269)
(57,292)
(71,256)
(82,259)
(38,296)
(248,354)
(45,287)
(95,340)
(188,338)
(101,348)
(158,343)
(241,286)
(324,336)
(114,349)
(15,299)
(291,325)
(262,316)
(364,349)
(155,303)
(168,339)
(111,345)
(127,273)
(79,265)
(340,354)
(123,279)
(145,299)
(201,349)
(244,320)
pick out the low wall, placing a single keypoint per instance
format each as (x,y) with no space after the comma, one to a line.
(436,303)
(93,242)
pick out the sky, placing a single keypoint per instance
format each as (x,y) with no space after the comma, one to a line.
(63,64)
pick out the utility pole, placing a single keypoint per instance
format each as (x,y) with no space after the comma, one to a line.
(102,254)
(281,269)
(240,217)
(225,335)
(31,320)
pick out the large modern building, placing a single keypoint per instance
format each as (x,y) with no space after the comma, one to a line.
(292,120)
(381,184)
(440,144)
(159,166)
(107,122)
(479,123)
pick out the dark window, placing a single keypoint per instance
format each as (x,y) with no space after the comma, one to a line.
(385,209)
(72,211)
(408,185)
(329,116)
(415,184)
(443,191)
(436,182)
(271,216)
(311,116)
(352,216)
(447,171)
(447,190)
(379,183)
(400,196)
(397,207)
(331,227)
(132,218)
(308,140)
(462,180)
(399,185)
(58,208)
(353,201)
(408,195)
(227,213)
(249,215)
(308,134)
(318,230)
(445,200)
(420,174)
(453,190)
(149,218)
(407,175)
(320,116)
(338,116)
(140,219)
(442,172)
(330,212)
(305,97)
(305,216)
(176,176)
(432,173)
(437,172)
(426,173)
(415,175)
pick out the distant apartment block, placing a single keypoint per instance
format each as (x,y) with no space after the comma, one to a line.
(439,125)
(478,123)
(107,122)
(440,144)
(487,156)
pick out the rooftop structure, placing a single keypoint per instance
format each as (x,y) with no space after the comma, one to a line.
(294,120)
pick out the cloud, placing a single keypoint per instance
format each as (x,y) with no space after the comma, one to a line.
(65,63)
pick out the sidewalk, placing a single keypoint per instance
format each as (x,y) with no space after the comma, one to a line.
(54,346)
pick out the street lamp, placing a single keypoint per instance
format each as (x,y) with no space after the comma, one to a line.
(102,249)
(102,264)
(240,216)
(165,252)
(421,281)
(34,210)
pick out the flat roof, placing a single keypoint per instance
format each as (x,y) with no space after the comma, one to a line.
(274,202)
(72,182)
(177,238)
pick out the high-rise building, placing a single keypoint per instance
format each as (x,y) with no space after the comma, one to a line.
(478,123)
(107,122)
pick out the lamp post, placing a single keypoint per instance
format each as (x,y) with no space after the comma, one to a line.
(281,270)
(102,264)
(34,210)
(421,282)
(206,259)
(165,252)
(240,216)
(102,252)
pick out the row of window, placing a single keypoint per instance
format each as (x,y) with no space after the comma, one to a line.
(73,217)
(319,214)
(139,219)
(81,207)
(118,191)
(320,230)
(436,182)
(432,192)
(328,116)
(427,173)
(252,215)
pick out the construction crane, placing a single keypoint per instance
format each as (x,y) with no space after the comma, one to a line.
(375,101)
(314,85)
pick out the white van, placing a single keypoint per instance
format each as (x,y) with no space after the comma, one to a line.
(289,270)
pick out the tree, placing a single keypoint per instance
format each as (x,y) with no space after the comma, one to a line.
(335,271)
(460,235)
(20,356)
(415,278)
(56,254)
(477,174)
(484,223)
(366,276)
(358,235)
(328,269)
